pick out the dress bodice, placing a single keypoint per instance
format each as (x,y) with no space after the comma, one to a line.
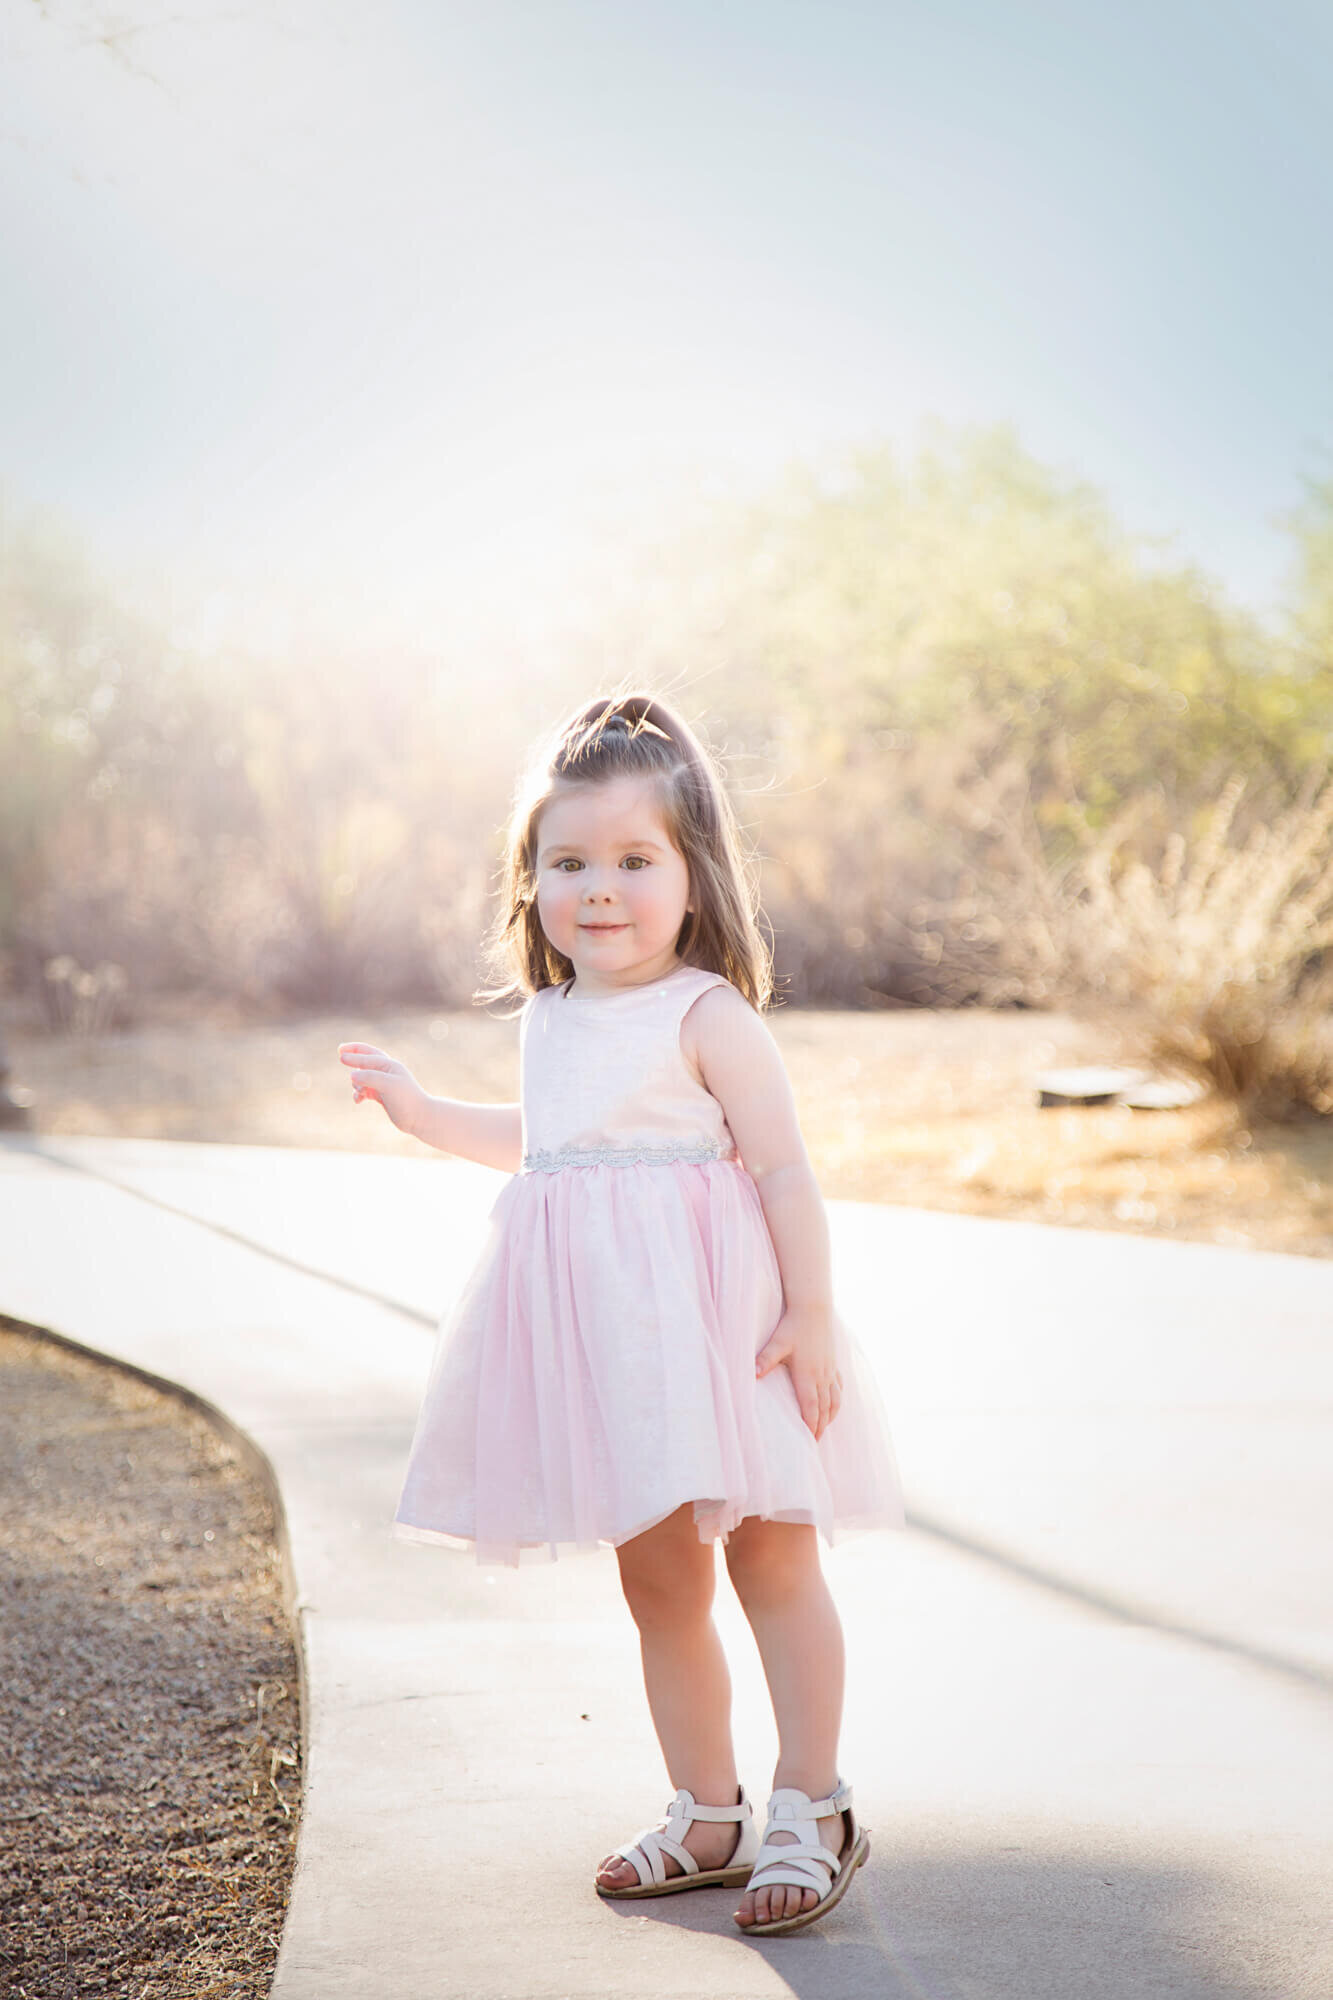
(603,1078)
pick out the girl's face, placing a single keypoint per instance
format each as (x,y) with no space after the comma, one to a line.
(612,891)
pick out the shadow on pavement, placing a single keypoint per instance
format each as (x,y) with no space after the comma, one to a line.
(1313,1679)
(1001,1926)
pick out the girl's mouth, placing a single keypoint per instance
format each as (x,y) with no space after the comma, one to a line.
(604,930)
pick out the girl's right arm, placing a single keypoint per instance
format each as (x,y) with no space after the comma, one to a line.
(490,1134)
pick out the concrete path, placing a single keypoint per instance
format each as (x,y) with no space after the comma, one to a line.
(1091,1690)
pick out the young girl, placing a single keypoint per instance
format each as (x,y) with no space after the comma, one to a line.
(646,1353)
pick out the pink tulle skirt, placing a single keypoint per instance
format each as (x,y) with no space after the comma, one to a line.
(597,1372)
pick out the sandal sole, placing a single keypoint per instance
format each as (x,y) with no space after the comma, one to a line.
(842,1882)
(707,1878)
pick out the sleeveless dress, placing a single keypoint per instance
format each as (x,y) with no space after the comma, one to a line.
(597,1370)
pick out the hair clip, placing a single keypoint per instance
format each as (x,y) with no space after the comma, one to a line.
(634,726)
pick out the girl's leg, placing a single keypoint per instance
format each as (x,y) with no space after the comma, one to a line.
(774,1566)
(667,1575)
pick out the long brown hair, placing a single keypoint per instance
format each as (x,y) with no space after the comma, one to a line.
(635,735)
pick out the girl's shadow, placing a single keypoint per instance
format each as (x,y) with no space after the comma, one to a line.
(1001,1925)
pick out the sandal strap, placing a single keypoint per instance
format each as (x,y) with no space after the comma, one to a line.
(645,1856)
(805,1864)
(683,1808)
(789,1804)
(644,1853)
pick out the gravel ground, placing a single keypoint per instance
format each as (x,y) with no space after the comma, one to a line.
(149,1693)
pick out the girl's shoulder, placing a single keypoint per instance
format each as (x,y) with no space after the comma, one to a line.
(717,1020)
(711,996)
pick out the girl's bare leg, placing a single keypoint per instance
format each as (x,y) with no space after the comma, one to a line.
(667,1575)
(774,1566)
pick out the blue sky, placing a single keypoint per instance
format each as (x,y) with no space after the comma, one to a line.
(380,312)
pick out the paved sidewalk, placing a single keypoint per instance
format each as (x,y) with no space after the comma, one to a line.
(1090,1691)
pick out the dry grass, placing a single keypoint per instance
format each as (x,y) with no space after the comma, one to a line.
(924,1108)
(1212,932)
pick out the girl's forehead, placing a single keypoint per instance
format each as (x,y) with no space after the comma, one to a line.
(621,808)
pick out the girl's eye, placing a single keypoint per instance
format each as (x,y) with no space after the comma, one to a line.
(571,861)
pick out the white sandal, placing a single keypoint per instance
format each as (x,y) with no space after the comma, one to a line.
(645,1853)
(805,1863)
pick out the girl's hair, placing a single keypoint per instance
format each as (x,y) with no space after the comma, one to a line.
(635,735)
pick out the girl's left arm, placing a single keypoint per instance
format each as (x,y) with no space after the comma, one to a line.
(740,1064)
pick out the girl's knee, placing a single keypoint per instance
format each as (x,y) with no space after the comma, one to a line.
(667,1578)
(770,1561)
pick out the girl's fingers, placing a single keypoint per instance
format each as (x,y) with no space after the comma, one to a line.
(365,1079)
(769,1356)
(819,1404)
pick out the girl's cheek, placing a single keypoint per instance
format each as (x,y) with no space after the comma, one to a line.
(554,902)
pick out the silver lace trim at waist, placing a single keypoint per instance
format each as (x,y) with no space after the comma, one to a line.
(623,1156)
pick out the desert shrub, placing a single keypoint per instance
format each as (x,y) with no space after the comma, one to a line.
(886,655)
(873,852)
(887,642)
(1207,936)
(262,831)
(883,594)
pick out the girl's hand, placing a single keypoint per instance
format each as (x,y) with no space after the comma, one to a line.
(803,1340)
(390,1083)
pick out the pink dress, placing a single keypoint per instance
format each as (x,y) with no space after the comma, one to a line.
(597,1371)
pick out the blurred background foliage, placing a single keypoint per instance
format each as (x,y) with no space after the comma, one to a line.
(935,685)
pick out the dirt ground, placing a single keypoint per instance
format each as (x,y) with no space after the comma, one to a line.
(149,1693)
